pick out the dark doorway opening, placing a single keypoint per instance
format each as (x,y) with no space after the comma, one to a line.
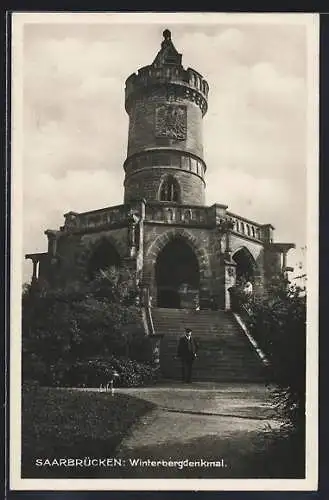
(176,273)
(245,269)
(104,257)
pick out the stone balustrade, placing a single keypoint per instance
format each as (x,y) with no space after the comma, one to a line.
(177,214)
(245,227)
(201,216)
(165,213)
(95,219)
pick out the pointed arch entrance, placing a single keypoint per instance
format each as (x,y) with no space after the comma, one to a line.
(246,267)
(104,255)
(176,273)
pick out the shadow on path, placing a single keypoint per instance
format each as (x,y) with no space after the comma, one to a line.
(200,432)
(205,431)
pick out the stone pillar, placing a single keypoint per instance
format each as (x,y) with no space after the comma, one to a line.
(155,341)
(276,260)
(132,238)
(284,260)
(34,274)
(220,212)
(267,233)
(52,242)
(229,281)
(225,227)
(258,284)
(133,221)
(228,266)
(228,250)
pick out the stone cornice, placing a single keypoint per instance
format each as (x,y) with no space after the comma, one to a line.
(163,149)
(177,169)
(173,91)
(36,256)
(281,247)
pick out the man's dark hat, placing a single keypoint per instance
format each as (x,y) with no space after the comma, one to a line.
(188,330)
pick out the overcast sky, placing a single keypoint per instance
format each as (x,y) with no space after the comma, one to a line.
(75,125)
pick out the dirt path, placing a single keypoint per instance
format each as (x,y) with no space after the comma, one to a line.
(199,431)
(236,400)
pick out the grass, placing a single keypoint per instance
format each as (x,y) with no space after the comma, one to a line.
(58,423)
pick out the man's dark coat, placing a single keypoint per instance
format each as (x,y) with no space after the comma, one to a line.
(186,349)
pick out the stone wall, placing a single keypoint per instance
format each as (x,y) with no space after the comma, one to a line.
(272,264)
(204,243)
(118,238)
(75,250)
(256,249)
(149,133)
(142,134)
(208,247)
(146,184)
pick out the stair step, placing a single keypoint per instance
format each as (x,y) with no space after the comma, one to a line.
(224,351)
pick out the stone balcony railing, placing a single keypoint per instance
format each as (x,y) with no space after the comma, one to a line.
(167,213)
(96,219)
(177,214)
(202,216)
(246,227)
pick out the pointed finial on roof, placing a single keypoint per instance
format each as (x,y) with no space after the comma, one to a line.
(167,54)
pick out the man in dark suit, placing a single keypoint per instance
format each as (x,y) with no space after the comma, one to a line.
(186,351)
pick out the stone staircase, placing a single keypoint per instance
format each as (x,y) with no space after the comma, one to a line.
(224,351)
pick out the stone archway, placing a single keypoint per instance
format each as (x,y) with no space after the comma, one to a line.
(111,251)
(177,274)
(246,267)
(103,256)
(183,243)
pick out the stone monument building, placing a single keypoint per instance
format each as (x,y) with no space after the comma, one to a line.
(182,250)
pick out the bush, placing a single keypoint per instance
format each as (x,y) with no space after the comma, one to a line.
(83,321)
(278,323)
(36,371)
(238,298)
(140,348)
(100,371)
(278,453)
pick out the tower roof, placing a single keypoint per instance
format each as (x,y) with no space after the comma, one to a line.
(167,71)
(168,54)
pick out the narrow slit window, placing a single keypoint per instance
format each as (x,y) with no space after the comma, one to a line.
(169,190)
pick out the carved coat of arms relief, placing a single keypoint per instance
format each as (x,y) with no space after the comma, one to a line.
(171,121)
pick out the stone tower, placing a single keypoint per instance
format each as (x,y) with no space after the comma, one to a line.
(166,105)
(182,250)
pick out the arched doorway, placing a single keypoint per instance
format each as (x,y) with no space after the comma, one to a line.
(104,256)
(176,273)
(245,265)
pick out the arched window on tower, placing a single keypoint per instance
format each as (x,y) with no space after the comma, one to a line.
(169,190)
